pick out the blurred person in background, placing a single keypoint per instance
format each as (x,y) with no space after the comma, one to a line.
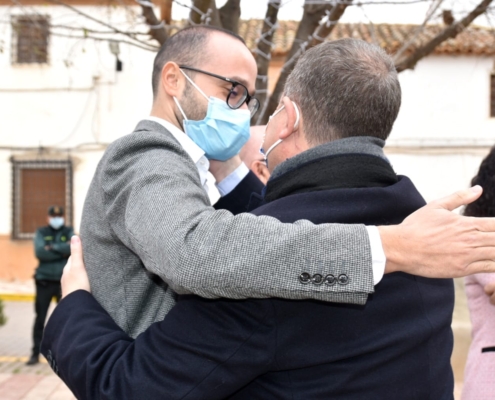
(251,156)
(479,375)
(52,249)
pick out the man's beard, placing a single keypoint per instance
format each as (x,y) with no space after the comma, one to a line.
(193,104)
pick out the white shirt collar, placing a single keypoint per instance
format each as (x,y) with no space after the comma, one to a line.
(185,141)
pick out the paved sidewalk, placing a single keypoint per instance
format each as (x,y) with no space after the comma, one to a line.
(17,380)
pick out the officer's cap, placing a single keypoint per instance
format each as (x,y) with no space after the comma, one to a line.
(55,211)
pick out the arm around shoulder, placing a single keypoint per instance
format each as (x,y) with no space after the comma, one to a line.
(97,360)
(156,205)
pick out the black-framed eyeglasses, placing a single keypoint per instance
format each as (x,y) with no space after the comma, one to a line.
(238,94)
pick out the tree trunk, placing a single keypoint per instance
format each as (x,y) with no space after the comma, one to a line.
(157,27)
(204,12)
(214,17)
(264,53)
(451,31)
(166,11)
(310,20)
(230,14)
(319,34)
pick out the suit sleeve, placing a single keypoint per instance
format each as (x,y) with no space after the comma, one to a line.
(178,358)
(237,201)
(156,206)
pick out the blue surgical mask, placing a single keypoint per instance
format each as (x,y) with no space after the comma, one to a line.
(222,133)
(56,222)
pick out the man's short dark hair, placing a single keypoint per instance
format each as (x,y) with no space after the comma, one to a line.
(186,47)
(345,88)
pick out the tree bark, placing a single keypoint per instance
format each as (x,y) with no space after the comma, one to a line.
(451,31)
(319,34)
(204,12)
(157,27)
(166,11)
(264,53)
(230,14)
(311,18)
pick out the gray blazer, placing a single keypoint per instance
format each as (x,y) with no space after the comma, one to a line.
(149,232)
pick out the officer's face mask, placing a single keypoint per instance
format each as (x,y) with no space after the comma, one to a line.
(270,149)
(56,222)
(222,133)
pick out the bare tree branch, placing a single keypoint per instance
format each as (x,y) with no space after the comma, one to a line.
(157,28)
(310,20)
(432,10)
(144,47)
(230,14)
(166,11)
(318,36)
(214,15)
(103,23)
(204,12)
(263,51)
(451,31)
(323,30)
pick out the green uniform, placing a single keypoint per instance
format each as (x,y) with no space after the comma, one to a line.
(52,262)
(48,274)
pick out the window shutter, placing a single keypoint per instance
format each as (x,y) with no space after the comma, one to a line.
(30,39)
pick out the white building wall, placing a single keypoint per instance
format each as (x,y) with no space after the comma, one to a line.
(79,99)
(76,101)
(446,100)
(444,128)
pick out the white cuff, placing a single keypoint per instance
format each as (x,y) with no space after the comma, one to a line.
(377,254)
(230,182)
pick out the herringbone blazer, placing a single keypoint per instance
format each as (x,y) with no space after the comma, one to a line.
(149,232)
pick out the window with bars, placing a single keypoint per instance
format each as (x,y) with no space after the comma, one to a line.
(30,35)
(492,95)
(38,185)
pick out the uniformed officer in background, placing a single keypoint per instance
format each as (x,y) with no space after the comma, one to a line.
(52,248)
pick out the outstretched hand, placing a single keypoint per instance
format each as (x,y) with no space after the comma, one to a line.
(75,276)
(435,242)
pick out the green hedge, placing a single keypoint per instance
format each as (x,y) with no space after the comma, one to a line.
(3,318)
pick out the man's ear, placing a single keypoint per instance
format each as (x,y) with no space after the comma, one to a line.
(292,123)
(172,80)
(260,170)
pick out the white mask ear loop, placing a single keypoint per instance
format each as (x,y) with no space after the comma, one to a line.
(196,86)
(180,108)
(296,124)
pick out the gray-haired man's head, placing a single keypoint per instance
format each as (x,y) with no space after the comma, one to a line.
(345,88)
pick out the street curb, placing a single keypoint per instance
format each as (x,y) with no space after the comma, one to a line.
(13,359)
(17,297)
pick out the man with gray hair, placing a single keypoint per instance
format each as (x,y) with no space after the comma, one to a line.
(327,167)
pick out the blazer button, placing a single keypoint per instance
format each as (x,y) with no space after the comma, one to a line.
(317,279)
(343,279)
(330,280)
(304,278)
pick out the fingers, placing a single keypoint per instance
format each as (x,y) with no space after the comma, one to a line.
(458,199)
(484,225)
(484,265)
(490,292)
(76,252)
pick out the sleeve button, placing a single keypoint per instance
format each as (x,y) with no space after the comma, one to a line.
(317,279)
(330,280)
(343,279)
(304,278)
